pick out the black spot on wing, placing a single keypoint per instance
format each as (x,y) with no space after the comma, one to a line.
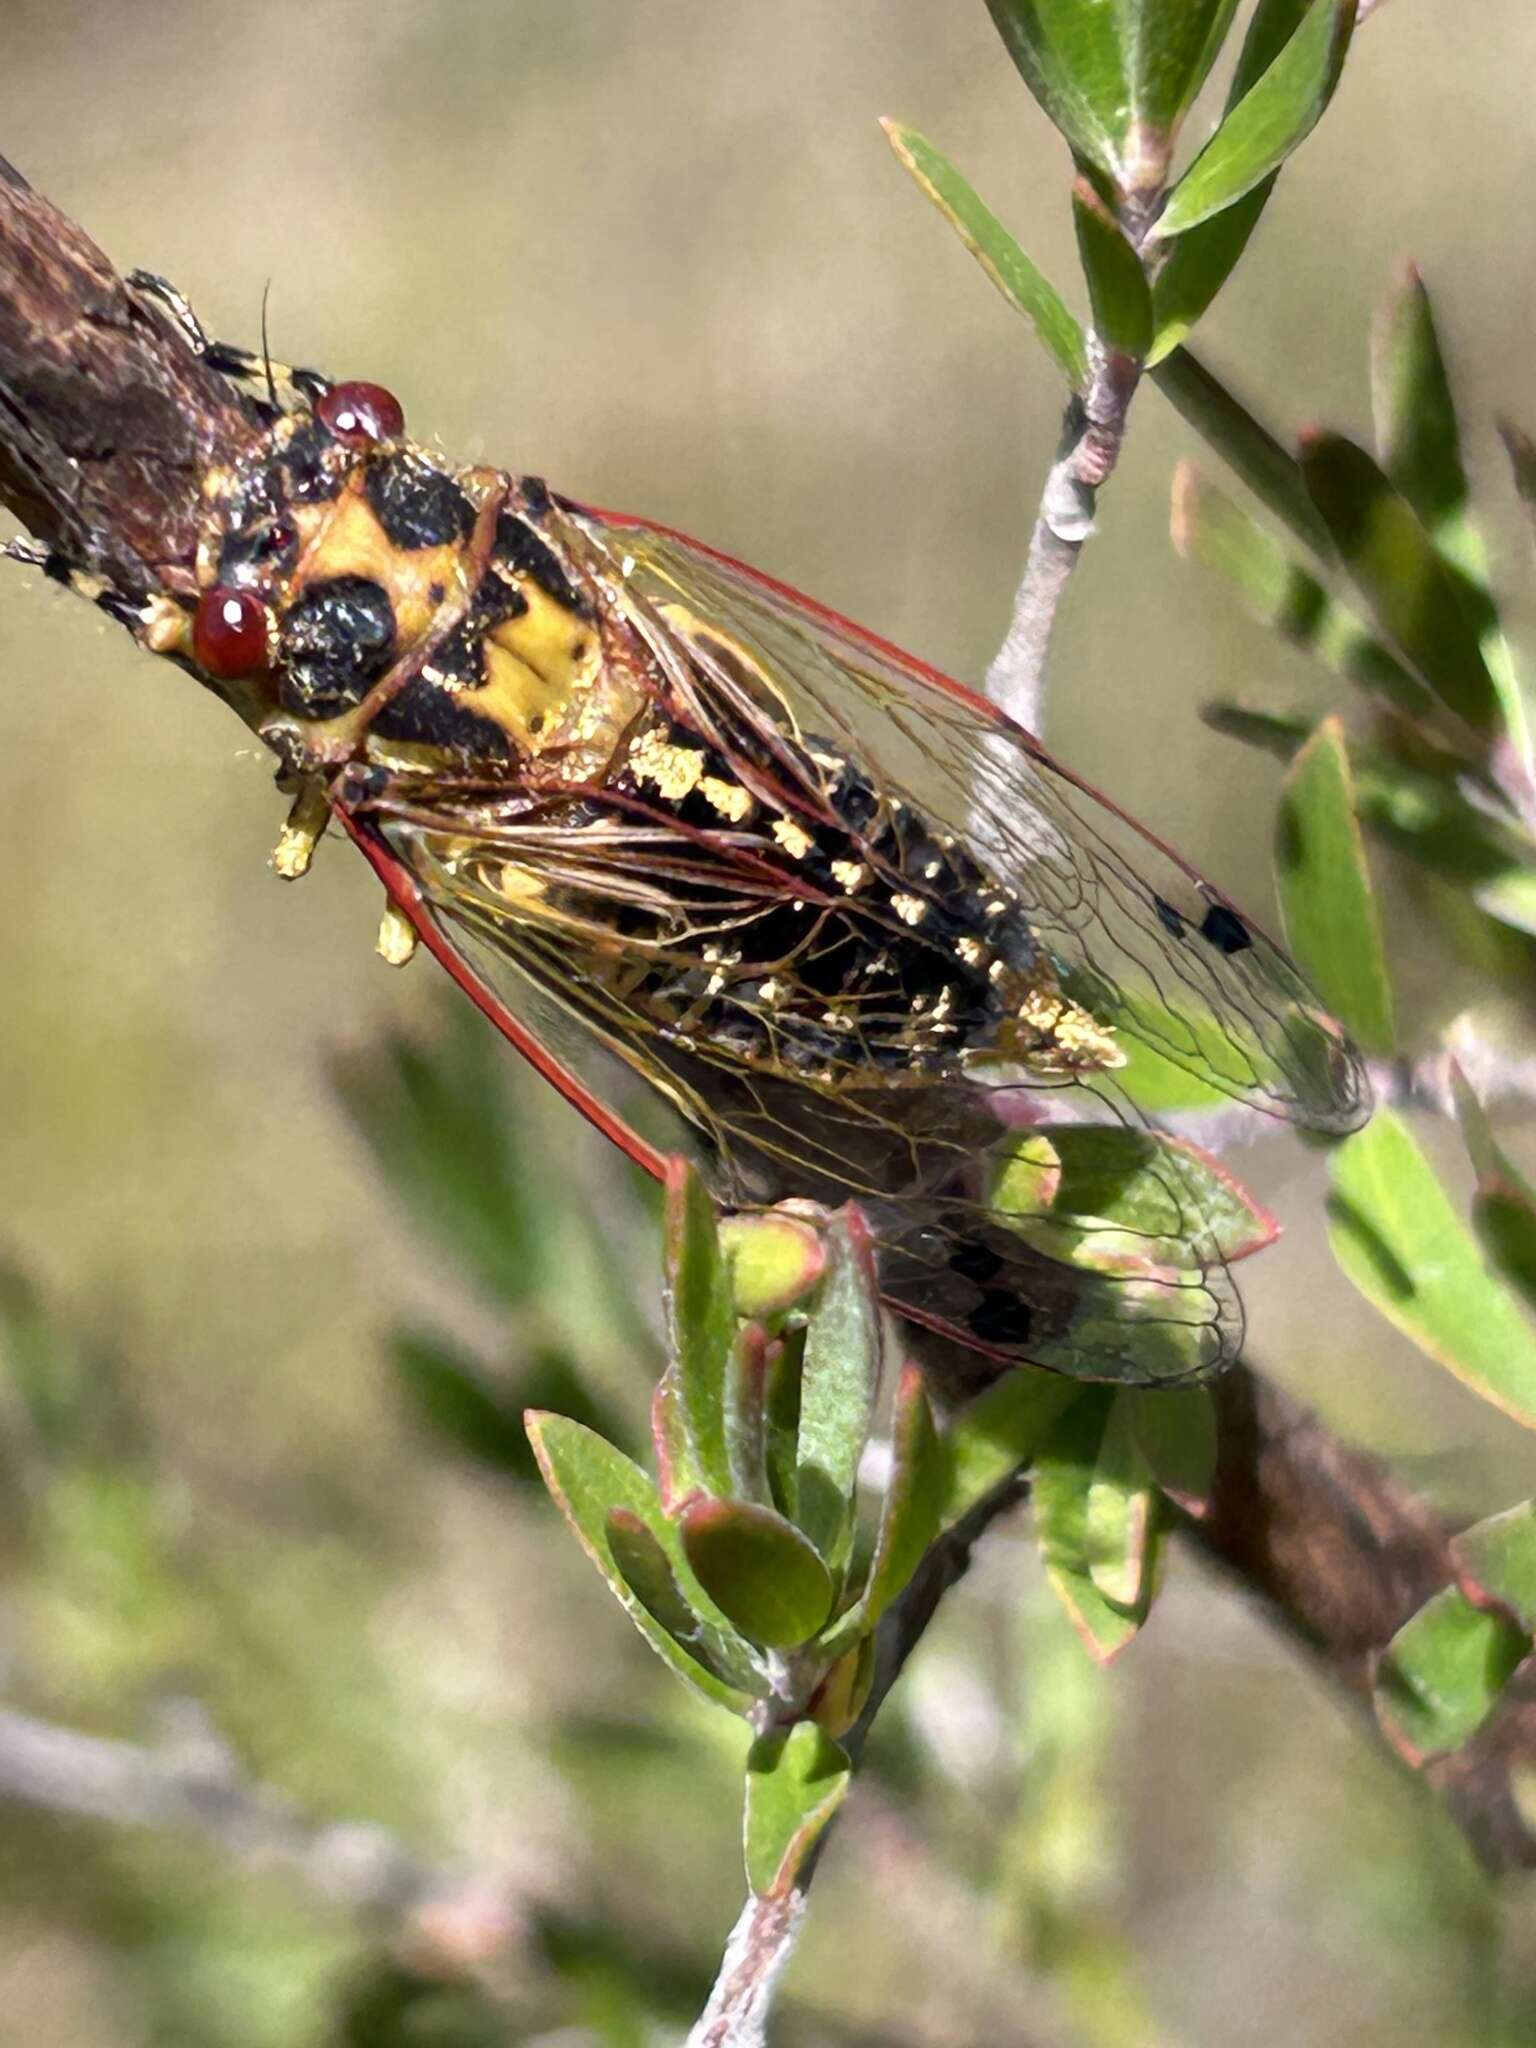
(1224,929)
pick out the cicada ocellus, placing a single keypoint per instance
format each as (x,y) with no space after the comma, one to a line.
(661,817)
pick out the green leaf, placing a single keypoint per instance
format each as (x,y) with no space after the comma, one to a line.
(998,1432)
(1202,259)
(1249,450)
(1072,1546)
(909,1514)
(482,1415)
(675,1466)
(588,1479)
(1213,529)
(1197,266)
(1119,1200)
(1398,1238)
(1021,284)
(796,1780)
(1271,120)
(781,1414)
(1170,46)
(839,1382)
(1176,1431)
(1069,54)
(701,1320)
(1521,450)
(647,1570)
(1415,811)
(1419,442)
(1121,1511)
(775,1260)
(758,1569)
(746,1422)
(1443,1674)
(1510,896)
(1504,1205)
(1496,1564)
(1412,591)
(450,1157)
(1329,908)
(1417,436)
(1117,284)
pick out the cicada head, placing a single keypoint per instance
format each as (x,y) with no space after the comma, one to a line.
(361,599)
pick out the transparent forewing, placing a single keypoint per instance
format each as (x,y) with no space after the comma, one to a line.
(531,908)
(1136,935)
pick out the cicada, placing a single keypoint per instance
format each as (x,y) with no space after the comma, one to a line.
(740,878)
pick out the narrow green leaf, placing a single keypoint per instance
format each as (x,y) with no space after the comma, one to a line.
(1326,899)
(796,1780)
(1417,812)
(1419,442)
(1443,1674)
(587,1479)
(1176,1431)
(1496,1564)
(1065,1465)
(701,1320)
(781,1416)
(675,1466)
(452,1163)
(1121,1510)
(746,1420)
(1410,589)
(1122,1200)
(1504,1205)
(909,1514)
(481,1414)
(758,1569)
(843,1694)
(1213,529)
(1198,264)
(646,1569)
(1170,46)
(1117,284)
(1398,1238)
(1510,896)
(1070,57)
(1521,450)
(1025,288)
(1417,436)
(1249,450)
(1200,261)
(839,1383)
(998,1432)
(1271,120)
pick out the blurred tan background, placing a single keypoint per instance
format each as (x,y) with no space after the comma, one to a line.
(661,254)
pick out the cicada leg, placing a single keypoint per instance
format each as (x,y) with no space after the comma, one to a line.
(58,568)
(228,357)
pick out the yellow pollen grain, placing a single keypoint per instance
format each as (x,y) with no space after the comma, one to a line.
(910,909)
(971,951)
(795,841)
(728,798)
(673,771)
(850,874)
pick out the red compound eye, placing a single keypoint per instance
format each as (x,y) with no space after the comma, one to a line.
(229,632)
(358,413)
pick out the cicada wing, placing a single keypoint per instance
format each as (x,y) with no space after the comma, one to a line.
(917,1159)
(1135,934)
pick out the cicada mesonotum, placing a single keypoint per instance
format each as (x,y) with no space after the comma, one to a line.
(662,817)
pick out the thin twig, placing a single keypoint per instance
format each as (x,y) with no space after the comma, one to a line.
(1092,432)
(190,1779)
